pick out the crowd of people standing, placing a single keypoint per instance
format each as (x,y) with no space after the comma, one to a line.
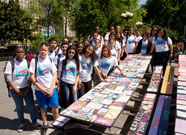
(60,75)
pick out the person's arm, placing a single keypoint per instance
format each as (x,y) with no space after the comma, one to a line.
(118,67)
(36,83)
(171,51)
(98,72)
(54,79)
(118,58)
(152,48)
(136,44)
(15,88)
(74,89)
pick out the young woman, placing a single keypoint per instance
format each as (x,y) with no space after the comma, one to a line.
(89,62)
(43,74)
(163,48)
(114,52)
(144,45)
(98,48)
(119,40)
(153,33)
(69,76)
(79,47)
(20,87)
(107,61)
(131,42)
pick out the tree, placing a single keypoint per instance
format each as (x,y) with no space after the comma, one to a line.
(167,13)
(14,24)
(89,13)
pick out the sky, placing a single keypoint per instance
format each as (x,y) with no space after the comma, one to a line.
(142,2)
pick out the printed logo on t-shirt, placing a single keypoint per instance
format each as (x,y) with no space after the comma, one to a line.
(44,70)
(131,41)
(84,65)
(21,71)
(70,71)
(114,54)
(105,65)
(160,42)
(143,48)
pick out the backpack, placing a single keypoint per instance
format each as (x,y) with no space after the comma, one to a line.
(13,67)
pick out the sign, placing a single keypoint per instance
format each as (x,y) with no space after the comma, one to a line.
(45,31)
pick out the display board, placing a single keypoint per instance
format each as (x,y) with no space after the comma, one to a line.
(135,66)
(155,79)
(143,115)
(182,68)
(181,108)
(180,121)
(160,120)
(167,85)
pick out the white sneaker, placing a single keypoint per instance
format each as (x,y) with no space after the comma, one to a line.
(20,128)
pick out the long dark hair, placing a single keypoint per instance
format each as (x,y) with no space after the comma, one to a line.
(76,57)
(93,56)
(119,39)
(164,35)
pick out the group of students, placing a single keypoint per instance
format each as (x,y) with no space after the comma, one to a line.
(62,74)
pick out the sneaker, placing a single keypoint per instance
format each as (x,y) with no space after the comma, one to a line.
(36,126)
(20,128)
(44,129)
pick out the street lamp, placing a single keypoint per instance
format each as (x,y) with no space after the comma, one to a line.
(127,16)
(25,36)
(139,24)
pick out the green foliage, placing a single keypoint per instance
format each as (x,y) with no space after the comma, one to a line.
(90,13)
(36,40)
(14,24)
(167,13)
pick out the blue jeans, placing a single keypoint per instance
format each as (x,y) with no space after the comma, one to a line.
(67,96)
(19,105)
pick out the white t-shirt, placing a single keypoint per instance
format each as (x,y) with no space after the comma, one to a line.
(144,47)
(44,71)
(161,44)
(70,72)
(105,64)
(114,53)
(62,57)
(130,45)
(87,68)
(98,52)
(52,55)
(107,36)
(20,73)
(138,38)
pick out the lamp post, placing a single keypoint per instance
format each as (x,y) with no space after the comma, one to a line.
(139,24)
(25,37)
(127,16)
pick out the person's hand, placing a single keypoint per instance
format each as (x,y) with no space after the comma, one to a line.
(104,75)
(26,92)
(79,84)
(123,74)
(58,88)
(50,93)
(45,91)
(74,89)
(170,56)
(20,93)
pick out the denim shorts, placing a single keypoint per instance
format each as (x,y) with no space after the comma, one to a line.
(45,101)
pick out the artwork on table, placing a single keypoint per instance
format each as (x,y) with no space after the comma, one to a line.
(103,104)
(142,117)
